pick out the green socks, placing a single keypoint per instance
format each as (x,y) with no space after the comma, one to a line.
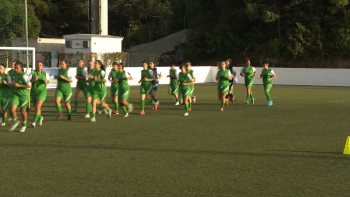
(251,96)
(186,108)
(153,102)
(124,110)
(177,99)
(15,120)
(24,124)
(36,118)
(69,111)
(222,104)
(143,103)
(88,108)
(268,96)
(93,115)
(4,119)
(76,104)
(248,97)
(190,105)
(116,105)
(59,109)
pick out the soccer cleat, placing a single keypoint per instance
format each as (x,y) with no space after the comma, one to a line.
(109,114)
(33,125)
(142,112)
(155,107)
(3,124)
(116,112)
(246,102)
(270,103)
(194,100)
(75,110)
(93,119)
(126,115)
(99,111)
(41,120)
(177,103)
(227,102)
(69,119)
(233,99)
(87,116)
(60,116)
(186,114)
(23,129)
(130,108)
(14,126)
(221,109)
(105,111)
(253,101)
(189,109)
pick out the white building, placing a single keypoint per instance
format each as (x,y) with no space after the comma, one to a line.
(95,43)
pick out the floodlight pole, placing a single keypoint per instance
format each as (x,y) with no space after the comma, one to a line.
(27,34)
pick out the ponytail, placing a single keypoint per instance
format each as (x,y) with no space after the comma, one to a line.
(102,66)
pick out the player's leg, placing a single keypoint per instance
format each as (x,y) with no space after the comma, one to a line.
(114,93)
(186,100)
(89,98)
(176,94)
(181,97)
(267,93)
(143,103)
(37,115)
(103,97)
(23,107)
(94,104)
(16,122)
(76,99)
(5,104)
(67,99)
(58,99)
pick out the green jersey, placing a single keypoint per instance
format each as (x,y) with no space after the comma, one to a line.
(100,86)
(39,84)
(249,72)
(113,76)
(148,74)
(5,90)
(173,79)
(21,79)
(12,73)
(192,76)
(267,74)
(223,75)
(82,72)
(123,82)
(184,78)
(92,82)
(64,85)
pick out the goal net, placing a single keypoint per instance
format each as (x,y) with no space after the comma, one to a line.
(22,54)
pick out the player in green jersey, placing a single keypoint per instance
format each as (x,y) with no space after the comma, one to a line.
(20,98)
(192,99)
(11,73)
(223,76)
(81,83)
(267,75)
(157,76)
(185,81)
(39,79)
(90,88)
(124,90)
(5,94)
(146,87)
(249,72)
(64,89)
(114,86)
(173,87)
(100,90)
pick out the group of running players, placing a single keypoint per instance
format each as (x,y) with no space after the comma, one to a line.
(91,80)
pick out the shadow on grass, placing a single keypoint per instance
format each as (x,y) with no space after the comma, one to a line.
(326,155)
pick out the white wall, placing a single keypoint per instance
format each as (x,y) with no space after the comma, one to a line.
(106,45)
(285,76)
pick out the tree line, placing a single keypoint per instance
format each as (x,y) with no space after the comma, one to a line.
(307,33)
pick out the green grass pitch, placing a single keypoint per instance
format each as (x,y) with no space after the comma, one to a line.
(293,148)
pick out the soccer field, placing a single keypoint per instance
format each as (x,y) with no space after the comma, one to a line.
(293,148)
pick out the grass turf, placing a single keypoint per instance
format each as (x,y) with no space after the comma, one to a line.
(291,149)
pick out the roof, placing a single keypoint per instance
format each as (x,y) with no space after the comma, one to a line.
(92,36)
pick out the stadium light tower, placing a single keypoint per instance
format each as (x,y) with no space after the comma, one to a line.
(98,17)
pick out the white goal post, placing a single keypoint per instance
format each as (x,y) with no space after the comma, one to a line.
(7,54)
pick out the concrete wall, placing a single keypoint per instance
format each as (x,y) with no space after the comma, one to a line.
(106,45)
(285,76)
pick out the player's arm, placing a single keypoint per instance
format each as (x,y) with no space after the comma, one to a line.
(129,78)
(26,81)
(254,70)
(191,80)
(160,76)
(47,77)
(274,76)
(79,77)
(259,76)
(102,79)
(242,73)
(229,76)
(69,78)
(32,80)
(233,72)
(110,77)
(217,76)
(9,82)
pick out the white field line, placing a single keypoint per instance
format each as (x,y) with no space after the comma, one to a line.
(339,101)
